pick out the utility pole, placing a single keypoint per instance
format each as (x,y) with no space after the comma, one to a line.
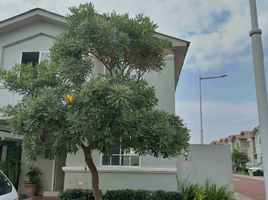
(261,92)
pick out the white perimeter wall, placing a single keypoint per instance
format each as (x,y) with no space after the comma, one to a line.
(207,162)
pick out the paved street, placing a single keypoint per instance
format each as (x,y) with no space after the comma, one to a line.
(252,187)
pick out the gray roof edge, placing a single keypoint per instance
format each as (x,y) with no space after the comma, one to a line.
(32,11)
(61,18)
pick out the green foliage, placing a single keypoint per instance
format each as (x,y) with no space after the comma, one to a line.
(106,109)
(80,194)
(206,192)
(33,175)
(11,169)
(212,192)
(123,44)
(239,159)
(258,173)
(128,195)
(189,192)
(118,108)
(163,195)
(76,194)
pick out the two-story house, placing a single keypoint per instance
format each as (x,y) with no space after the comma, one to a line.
(246,142)
(27,38)
(258,149)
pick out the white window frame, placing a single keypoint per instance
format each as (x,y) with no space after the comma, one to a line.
(120,157)
(39,57)
(40,52)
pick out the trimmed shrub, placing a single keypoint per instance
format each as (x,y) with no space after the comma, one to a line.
(187,192)
(258,173)
(76,194)
(162,195)
(128,195)
(80,194)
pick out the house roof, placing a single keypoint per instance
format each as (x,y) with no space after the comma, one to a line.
(179,46)
(29,17)
(5,133)
(244,135)
(217,142)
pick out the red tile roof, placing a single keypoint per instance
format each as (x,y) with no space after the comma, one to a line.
(242,136)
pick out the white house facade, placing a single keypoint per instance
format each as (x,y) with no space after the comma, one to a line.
(29,36)
(258,149)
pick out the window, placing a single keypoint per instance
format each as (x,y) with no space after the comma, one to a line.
(259,140)
(5,185)
(34,57)
(121,157)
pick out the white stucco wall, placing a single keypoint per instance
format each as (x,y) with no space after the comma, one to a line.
(121,180)
(38,36)
(25,39)
(45,166)
(164,83)
(258,148)
(251,152)
(153,174)
(207,162)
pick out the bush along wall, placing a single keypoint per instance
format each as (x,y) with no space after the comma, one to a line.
(79,194)
(76,194)
(189,192)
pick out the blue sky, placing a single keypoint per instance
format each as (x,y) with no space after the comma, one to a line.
(220,44)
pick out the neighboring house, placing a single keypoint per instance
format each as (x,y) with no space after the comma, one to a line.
(27,38)
(258,151)
(244,142)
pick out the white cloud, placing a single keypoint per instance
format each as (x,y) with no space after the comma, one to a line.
(188,18)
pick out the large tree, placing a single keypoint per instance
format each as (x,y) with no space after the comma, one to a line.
(66,107)
(239,159)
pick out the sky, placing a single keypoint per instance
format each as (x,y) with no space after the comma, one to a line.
(220,44)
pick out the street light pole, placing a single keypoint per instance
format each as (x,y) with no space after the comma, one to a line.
(200,98)
(201,117)
(261,92)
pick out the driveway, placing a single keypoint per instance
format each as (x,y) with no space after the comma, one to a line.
(252,187)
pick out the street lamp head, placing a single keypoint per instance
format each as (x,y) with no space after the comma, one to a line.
(223,75)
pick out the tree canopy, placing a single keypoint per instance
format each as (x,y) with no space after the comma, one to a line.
(66,106)
(239,158)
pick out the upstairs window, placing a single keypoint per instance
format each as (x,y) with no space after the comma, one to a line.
(34,57)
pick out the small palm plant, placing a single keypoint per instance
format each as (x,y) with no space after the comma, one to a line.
(213,192)
(32,181)
(33,175)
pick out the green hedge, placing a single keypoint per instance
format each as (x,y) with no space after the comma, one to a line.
(187,192)
(258,173)
(76,194)
(79,194)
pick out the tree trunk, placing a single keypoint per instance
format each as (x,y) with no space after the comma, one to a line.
(94,173)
